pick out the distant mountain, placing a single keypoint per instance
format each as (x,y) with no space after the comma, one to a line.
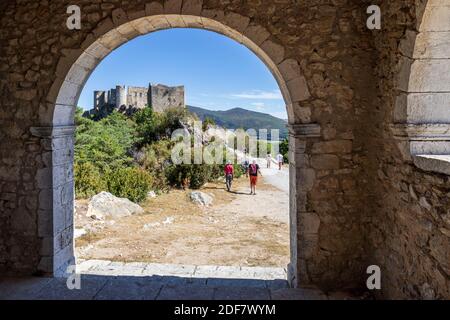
(240,118)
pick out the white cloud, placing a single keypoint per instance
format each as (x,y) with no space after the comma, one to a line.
(259,95)
(258,104)
(281,115)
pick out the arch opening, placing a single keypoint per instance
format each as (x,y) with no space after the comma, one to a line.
(75,69)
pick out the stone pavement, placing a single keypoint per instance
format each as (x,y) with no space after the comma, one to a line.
(106,280)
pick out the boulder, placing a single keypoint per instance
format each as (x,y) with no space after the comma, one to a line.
(201,198)
(105,205)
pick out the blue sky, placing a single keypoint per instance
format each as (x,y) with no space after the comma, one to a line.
(217,72)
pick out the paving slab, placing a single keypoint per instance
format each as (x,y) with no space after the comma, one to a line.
(22,288)
(129,288)
(221,282)
(57,289)
(169,269)
(277,284)
(298,294)
(241,293)
(186,293)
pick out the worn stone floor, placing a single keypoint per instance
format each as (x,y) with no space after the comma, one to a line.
(106,280)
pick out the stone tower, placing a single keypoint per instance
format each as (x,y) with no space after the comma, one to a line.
(100,99)
(121,96)
(163,97)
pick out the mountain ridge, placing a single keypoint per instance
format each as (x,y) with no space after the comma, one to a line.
(236,118)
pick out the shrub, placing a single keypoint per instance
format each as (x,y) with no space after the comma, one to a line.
(131,183)
(105,143)
(154,126)
(193,176)
(88,180)
(154,159)
(284,150)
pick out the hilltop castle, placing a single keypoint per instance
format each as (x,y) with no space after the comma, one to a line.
(130,99)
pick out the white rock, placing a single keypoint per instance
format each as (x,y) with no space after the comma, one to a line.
(151,225)
(151,194)
(169,220)
(201,198)
(78,232)
(105,205)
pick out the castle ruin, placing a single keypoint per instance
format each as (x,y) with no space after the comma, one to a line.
(131,99)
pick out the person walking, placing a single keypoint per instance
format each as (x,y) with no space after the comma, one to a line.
(253,171)
(269,160)
(229,175)
(245,166)
(280,161)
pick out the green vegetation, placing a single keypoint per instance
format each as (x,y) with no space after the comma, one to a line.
(129,156)
(284,150)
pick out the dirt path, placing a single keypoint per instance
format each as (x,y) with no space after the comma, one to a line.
(239,229)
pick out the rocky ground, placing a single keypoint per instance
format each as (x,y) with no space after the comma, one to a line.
(237,229)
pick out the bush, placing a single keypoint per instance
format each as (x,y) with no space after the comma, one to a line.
(155,158)
(131,183)
(88,180)
(284,150)
(193,176)
(105,143)
(154,126)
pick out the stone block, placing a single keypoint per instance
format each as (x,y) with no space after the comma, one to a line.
(119,16)
(63,115)
(154,8)
(309,223)
(290,69)
(68,94)
(112,39)
(432,45)
(192,7)
(159,22)
(325,162)
(430,76)
(172,6)
(256,33)
(305,179)
(128,31)
(276,52)
(333,146)
(143,25)
(175,21)
(428,108)
(236,21)
(193,22)
(435,18)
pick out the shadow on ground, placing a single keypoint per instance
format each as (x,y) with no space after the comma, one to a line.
(102,287)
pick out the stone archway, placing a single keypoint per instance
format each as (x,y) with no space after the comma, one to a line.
(59,112)
(44,66)
(421,115)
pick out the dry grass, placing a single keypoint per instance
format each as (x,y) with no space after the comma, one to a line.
(198,235)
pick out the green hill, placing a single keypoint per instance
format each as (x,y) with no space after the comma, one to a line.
(240,118)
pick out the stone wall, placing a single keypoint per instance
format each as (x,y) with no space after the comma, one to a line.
(137,97)
(355,199)
(409,231)
(163,97)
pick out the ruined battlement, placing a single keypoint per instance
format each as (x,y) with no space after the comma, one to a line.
(130,99)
